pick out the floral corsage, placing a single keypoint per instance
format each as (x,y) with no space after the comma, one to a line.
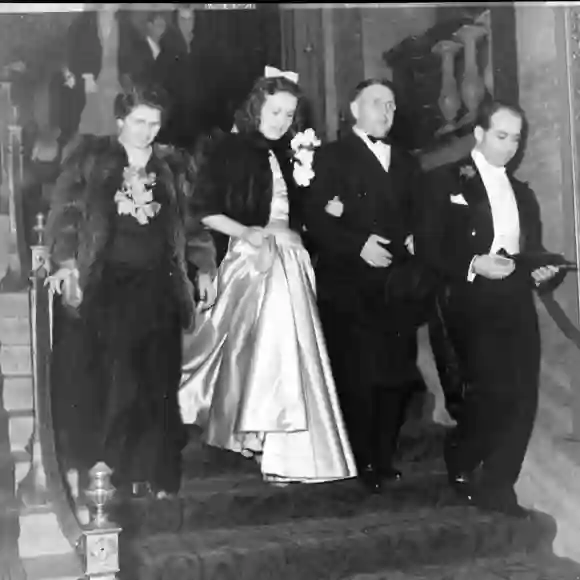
(303,146)
(136,195)
(467,171)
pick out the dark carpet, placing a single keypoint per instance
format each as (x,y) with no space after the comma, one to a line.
(227,524)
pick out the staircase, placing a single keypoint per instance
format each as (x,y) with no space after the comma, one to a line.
(44,552)
(228,524)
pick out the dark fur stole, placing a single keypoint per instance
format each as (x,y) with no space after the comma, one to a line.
(83,208)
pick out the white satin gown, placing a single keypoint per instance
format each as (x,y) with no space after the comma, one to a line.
(256,375)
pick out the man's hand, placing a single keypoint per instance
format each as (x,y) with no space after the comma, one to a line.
(493,267)
(374,254)
(207,291)
(410,244)
(544,273)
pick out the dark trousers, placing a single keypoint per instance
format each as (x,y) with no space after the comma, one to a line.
(115,373)
(446,350)
(501,363)
(373,401)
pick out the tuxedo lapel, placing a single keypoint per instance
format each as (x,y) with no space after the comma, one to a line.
(472,186)
(366,159)
(474,192)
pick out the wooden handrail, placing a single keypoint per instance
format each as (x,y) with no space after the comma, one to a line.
(45,483)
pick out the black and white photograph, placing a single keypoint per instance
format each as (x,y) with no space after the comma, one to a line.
(290,291)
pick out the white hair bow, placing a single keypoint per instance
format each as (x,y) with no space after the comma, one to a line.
(273,72)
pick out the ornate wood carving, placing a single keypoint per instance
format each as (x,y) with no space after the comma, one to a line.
(420,124)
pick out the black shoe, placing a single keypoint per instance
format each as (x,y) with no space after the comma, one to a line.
(463,484)
(391,474)
(370,478)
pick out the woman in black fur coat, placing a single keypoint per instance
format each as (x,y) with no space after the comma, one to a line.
(256,376)
(123,243)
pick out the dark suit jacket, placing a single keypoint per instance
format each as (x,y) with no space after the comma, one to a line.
(197,81)
(375,202)
(452,234)
(376,340)
(136,59)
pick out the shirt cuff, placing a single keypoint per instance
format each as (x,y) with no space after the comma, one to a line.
(470,272)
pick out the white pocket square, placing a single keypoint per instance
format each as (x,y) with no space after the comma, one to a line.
(458,199)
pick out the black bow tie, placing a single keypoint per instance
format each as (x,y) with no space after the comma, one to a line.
(384,140)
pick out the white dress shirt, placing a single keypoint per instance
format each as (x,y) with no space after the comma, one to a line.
(382,151)
(504,208)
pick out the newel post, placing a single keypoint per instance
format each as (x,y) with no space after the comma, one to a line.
(100,540)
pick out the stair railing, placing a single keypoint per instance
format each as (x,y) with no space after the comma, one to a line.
(45,484)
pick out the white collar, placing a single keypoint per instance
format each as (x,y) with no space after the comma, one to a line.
(366,139)
(483,164)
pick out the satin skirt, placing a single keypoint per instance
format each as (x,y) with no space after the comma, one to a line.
(256,375)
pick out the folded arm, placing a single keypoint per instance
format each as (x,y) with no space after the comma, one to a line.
(329,233)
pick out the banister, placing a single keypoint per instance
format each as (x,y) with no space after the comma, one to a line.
(45,484)
(97,543)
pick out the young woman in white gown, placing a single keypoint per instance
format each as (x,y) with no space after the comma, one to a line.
(256,376)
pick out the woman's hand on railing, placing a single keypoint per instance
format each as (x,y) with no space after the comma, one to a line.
(65,282)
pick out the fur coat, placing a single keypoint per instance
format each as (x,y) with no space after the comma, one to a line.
(235,179)
(83,209)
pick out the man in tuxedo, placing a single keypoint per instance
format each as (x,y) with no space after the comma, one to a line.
(358,216)
(474,214)
(140,47)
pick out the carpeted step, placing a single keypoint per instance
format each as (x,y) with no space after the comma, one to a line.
(420,441)
(332,548)
(517,566)
(242,499)
(222,489)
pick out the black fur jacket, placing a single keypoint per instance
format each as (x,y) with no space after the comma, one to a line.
(235,179)
(83,207)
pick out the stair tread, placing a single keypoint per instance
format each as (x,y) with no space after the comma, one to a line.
(238,498)
(53,567)
(336,547)
(228,523)
(515,566)
(365,522)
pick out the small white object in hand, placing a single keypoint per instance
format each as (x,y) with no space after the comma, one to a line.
(334,207)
